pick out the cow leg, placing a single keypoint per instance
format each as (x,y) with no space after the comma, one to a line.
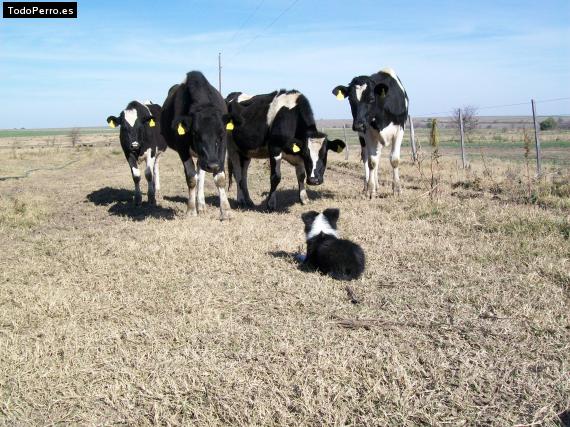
(149,175)
(301,175)
(364,158)
(225,209)
(156,176)
(190,173)
(373,149)
(395,161)
(136,174)
(240,166)
(201,201)
(275,164)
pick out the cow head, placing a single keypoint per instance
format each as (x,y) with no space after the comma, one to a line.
(314,151)
(361,96)
(135,122)
(207,129)
(374,104)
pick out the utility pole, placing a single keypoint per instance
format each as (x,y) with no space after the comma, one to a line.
(220,72)
(536,139)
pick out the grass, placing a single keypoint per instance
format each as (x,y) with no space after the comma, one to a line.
(119,315)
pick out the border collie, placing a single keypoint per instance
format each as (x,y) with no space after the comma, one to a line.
(341,259)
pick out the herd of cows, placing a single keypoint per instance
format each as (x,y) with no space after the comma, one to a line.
(197,123)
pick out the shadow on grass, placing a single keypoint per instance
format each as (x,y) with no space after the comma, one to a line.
(294,257)
(285,200)
(120,202)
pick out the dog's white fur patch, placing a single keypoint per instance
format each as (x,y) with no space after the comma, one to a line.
(321,225)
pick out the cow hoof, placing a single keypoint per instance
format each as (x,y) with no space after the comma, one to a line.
(303,198)
(191,212)
(396,189)
(245,204)
(201,208)
(151,200)
(225,215)
(138,200)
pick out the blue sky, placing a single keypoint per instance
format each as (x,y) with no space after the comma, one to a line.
(60,73)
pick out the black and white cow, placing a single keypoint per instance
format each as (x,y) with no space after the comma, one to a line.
(194,119)
(141,139)
(379,105)
(279,126)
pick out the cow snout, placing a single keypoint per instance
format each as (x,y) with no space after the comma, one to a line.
(212,167)
(135,145)
(314,181)
(358,127)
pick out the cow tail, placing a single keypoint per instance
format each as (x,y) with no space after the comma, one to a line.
(230,172)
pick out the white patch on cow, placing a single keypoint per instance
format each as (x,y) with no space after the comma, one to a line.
(315,145)
(360,90)
(136,172)
(321,225)
(388,134)
(287,100)
(278,158)
(392,74)
(243,97)
(131,116)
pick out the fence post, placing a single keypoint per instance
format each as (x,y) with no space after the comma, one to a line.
(536,139)
(413,140)
(463,159)
(345,141)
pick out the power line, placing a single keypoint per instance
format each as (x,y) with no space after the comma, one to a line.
(283,12)
(241,27)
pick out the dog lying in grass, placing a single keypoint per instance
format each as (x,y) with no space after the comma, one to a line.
(339,258)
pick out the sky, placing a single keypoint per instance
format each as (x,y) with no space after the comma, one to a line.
(76,72)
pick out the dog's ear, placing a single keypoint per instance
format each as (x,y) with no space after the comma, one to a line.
(309,217)
(332,214)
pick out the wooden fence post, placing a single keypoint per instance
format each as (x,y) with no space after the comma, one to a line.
(463,159)
(413,140)
(536,139)
(345,141)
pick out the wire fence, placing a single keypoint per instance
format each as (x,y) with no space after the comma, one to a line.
(510,138)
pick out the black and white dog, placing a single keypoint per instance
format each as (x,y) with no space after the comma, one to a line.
(340,258)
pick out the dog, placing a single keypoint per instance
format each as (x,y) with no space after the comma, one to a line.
(339,258)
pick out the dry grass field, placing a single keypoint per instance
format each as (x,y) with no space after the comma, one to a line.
(111,314)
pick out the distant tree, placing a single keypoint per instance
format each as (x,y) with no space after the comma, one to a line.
(548,124)
(470,119)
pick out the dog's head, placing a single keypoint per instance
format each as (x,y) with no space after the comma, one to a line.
(317,223)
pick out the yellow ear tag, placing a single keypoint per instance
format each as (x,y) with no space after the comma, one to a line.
(230,125)
(180,129)
(112,123)
(151,123)
(296,148)
(339,95)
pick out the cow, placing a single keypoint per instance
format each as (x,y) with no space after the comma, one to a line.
(379,106)
(279,126)
(140,139)
(194,118)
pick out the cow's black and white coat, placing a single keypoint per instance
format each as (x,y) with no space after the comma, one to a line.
(379,106)
(279,126)
(141,139)
(193,120)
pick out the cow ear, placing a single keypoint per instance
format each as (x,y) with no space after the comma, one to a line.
(394,100)
(340,92)
(332,214)
(336,145)
(181,124)
(309,217)
(113,121)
